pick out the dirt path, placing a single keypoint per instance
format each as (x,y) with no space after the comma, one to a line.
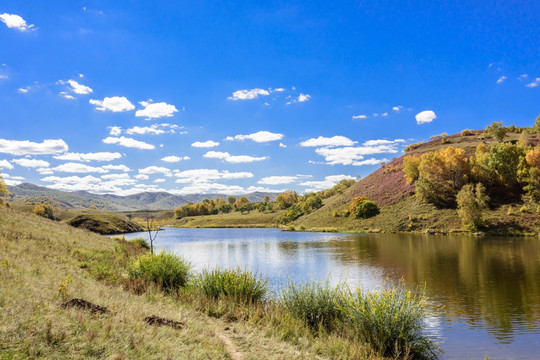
(229,346)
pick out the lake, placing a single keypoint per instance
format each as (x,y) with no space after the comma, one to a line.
(489,287)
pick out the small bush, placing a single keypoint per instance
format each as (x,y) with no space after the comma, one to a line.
(366,209)
(165,269)
(412,147)
(243,286)
(140,242)
(466,132)
(391,321)
(44,210)
(317,304)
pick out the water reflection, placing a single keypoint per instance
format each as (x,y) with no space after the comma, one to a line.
(487,285)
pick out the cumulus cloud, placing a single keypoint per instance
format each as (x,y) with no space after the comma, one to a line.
(281,180)
(25,147)
(31,163)
(142,177)
(328,141)
(11,180)
(116,167)
(356,117)
(155,110)
(206,175)
(425,117)
(205,144)
(91,184)
(14,21)
(115,130)
(64,94)
(128,142)
(354,155)
(155,170)
(4,164)
(397,108)
(23,90)
(281,145)
(235,159)
(248,94)
(75,87)
(174,158)
(86,157)
(115,176)
(299,99)
(72,167)
(154,129)
(534,84)
(260,136)
(327,183)
(501,79)
(159,180)
(210,188)
(114,104)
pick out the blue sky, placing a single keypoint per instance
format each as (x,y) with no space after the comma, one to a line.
(232,97)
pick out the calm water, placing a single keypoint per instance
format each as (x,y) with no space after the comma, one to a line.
(490,287)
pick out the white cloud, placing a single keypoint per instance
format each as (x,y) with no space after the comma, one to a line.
(205,144)
(64,95)
(383,142)
(128,142)
(327,183)
(534,84)
(25,147)
(425,117)
(161,180)
(329,141)
(281,180)
(248,94)
(22,90)
(154,129)
(45,171)
(174,159)
(155,170)
(385,114)
(78,168)
(522,77)
(117,167)
(115,130)
(142,177)
(4,77)
(114,104)
(77,88)
(235,159)
(210,188)
(86,157)
(155,110)
(359,117)
(206,175)
(371,161)
(352,155)
(281,145)
(31,163)
(115,176)
(260,136)
(13,21)
(501,79)
(397,108)
(91,184)
(300,98)
(4,164)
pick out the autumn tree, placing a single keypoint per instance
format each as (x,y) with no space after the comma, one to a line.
(231,200)
(44,210)
(471,202)
(286,199)
(266,198)
(3,188)
(503,161)
(241,202)
(536,126)
(410,168)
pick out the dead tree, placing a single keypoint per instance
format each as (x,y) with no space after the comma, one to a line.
(149,226)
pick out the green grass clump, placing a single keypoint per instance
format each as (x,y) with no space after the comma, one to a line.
(140,242)
(391,321)
(317,304)
(165,269)
(241,285)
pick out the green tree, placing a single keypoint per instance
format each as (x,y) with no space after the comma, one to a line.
(366,209)
(44,210)
(472,201)
(536,126)
(497,130)
(503,161)
(231,200)
(266,198)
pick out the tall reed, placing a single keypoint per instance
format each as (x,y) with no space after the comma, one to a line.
(241,285)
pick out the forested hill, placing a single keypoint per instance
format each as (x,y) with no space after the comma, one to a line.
(82,199)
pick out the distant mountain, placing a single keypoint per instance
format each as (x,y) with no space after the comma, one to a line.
(143,201)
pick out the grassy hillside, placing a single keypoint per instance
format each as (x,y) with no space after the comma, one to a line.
(43,263)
